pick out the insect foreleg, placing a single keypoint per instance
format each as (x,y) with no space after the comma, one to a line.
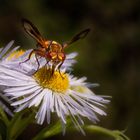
(37,62)
(29,57)
(59,69)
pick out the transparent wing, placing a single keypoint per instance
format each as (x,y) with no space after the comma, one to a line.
(32,30)
(78,36)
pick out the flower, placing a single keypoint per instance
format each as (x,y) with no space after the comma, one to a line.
(11,57)
(62,93)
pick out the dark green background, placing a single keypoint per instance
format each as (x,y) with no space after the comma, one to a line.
(109,55)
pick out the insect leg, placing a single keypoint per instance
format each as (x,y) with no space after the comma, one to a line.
(53,69)
(29,57)
(37,63)
(47,63)
(59,69)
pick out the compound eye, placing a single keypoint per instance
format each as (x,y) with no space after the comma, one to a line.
(52,55)
(61,56)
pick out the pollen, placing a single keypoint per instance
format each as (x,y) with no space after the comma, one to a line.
(57,82)
(15,54)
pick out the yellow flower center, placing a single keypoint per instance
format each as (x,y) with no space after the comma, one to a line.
(57,82)
(15,54)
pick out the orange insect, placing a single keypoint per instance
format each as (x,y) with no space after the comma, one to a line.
(51,50)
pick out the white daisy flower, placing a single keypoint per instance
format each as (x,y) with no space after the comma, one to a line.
(63,94)
(60,93)
(10,57)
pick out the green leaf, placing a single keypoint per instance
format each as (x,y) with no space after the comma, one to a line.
(18,124)
(3,130)
(116,134)
(3,116)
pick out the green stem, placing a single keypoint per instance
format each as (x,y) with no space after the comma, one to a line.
(18,124)
(52,130)
(48,132)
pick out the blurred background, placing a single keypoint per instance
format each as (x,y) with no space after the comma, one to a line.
(109,55)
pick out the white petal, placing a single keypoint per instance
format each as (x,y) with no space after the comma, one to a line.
(6,48)
(23,106)
(26,98)
(48,101)
(42,111)
(13,50)
(15,74)
(21,88)
(37,100)
(62,109)
(71,55)
(56,105)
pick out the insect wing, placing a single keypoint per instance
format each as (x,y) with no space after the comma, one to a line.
(32,30)
(78,36)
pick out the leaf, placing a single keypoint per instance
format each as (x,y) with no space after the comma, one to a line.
(116,134)
(3,130)
(18,124)
(4,117)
